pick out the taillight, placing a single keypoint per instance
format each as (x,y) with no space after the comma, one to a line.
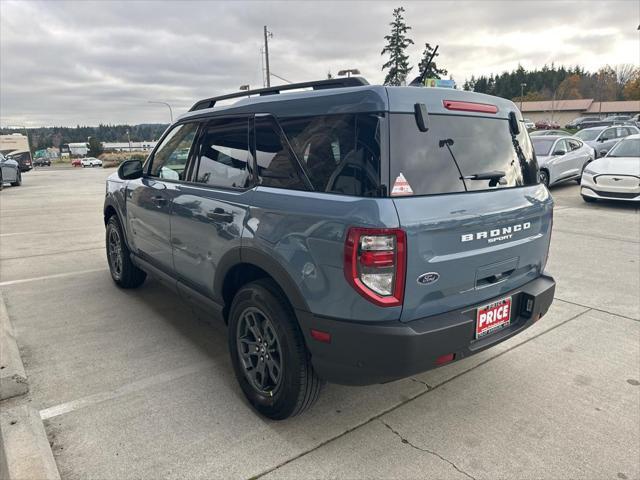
(469,106)
(375,264)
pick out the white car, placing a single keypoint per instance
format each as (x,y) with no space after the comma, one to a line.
(91,162)
(561,157)
(616,176)
(529,125)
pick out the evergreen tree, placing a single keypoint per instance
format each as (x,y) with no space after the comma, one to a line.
(397,43)
(433,71)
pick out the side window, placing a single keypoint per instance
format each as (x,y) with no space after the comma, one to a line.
(224,153)
(340,153)
(170,159)
(574,144)
(608,134)
(560,148)
(276,166)
(622,132)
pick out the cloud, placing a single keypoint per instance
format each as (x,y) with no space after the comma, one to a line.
(64,63)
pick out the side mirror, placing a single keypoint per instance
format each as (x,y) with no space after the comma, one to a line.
(513,123)
(129,170)
(559,153)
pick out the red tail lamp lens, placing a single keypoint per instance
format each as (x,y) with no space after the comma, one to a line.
(469,106)
(442,359)
(320,336)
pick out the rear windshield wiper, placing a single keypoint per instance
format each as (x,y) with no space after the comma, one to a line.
(495,177)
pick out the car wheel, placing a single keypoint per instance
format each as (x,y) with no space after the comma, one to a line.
(579,180)
(544,178)
(268,352)
(589,199)
(123,271)
(18,181)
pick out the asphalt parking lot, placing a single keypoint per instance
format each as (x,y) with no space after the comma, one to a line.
(134,384)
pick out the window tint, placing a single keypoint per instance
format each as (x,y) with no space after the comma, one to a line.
(542,145)
(224,153)
(170,159)
(339,153)
(276,165)
(560,148)
(429,161)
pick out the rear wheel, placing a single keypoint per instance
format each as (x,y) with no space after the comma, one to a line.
(269,356)
(123,271)
(18,181)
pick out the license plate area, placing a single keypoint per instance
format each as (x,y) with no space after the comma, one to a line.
(493,317)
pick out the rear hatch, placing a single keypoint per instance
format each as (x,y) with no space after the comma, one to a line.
(477,221)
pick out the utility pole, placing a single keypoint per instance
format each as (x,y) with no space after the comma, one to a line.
(522,85)
(267,34)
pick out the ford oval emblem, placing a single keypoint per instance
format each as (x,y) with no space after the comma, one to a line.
(428,278)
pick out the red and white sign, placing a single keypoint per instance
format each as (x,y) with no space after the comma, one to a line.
(493,317)
(401,186)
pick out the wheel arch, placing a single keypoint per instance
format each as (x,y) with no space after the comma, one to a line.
(245,265)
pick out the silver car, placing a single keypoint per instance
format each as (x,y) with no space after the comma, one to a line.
(561,158)
(9,172)
(616,176)
(603,138)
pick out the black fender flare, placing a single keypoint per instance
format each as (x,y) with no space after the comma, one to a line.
(257,258)
(111,202)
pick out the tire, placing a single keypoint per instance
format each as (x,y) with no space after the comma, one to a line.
(589,199)
(579,180)
(261,309)
(124,273)
(544,178)
(18,181)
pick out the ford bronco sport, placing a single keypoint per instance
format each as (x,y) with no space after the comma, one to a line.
(348,233)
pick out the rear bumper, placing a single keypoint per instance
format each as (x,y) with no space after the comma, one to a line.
(370,353)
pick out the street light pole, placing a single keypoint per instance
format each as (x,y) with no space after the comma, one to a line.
(267,34)
(522,85)
(164,103)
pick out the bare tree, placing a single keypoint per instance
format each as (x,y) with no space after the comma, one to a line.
(625,72)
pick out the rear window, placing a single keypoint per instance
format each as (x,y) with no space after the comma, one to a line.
(455,148)
(588,135)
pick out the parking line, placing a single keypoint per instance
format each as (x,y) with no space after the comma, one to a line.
(61,252)
(49,277)
(133,387)
(17,234)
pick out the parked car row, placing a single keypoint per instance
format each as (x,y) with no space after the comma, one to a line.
(603,138)
(86,162)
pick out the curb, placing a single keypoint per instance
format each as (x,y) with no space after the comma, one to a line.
(24,449)
(13,379)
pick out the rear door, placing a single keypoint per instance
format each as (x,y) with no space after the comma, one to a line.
(209,211)
(478,238)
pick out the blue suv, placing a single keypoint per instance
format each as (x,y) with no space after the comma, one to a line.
(344,232)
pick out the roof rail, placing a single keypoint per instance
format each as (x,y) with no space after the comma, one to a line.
(316,85)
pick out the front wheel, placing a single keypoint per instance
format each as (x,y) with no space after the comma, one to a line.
(123,271)
(268,353)
(544,178)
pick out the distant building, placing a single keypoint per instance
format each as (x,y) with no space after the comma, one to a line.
(15,142)
(564,111)
(76,149)
(144,146)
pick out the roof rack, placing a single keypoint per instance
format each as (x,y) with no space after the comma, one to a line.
(316,85)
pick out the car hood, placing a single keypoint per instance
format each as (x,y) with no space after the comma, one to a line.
(591,143)
(616,165)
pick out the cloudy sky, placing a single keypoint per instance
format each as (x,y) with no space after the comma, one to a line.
(68,63)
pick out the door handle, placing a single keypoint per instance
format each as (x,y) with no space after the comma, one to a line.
(159,201)
(219,215)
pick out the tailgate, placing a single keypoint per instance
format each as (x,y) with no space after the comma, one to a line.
(473,246)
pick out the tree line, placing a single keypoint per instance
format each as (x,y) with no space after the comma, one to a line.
(620,82)
(45,137)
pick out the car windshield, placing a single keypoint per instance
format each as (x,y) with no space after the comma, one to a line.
(542,146)
(588,135)
(629,147)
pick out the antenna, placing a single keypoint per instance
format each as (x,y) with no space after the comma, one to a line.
(419,80)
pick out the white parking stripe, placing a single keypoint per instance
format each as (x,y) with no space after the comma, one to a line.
(124,390)
(48,277)
(50,232)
